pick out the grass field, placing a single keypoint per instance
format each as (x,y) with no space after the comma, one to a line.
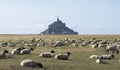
(78,60)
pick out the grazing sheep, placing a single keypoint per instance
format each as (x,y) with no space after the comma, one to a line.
(63,56)
(48,54)
(26,51)
(2,54)
(94,57)
(31,63)
(107,56)
(16,51)
(112,48)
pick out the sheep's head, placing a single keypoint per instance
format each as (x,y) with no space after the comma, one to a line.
(52,51)
(117,52)
(5,51)
(22,47)
(112,56)
(40,65)
(31,49)
(69,53)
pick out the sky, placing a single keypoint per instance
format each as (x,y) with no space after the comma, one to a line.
(83,16)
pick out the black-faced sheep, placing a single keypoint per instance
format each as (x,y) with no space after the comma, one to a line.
(48,54)
(95,46)
(16,51)
(107,56)
(26,51)
(31,63)
(100,61)
(112,48)
(2,54)
(63,56)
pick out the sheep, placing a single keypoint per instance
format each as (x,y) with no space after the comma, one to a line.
(26,51)
(112,48)
(2,54)
(31,63)
(58,44)
(16,51)
(107,56)
(75,44)
(95,46)
(48,54)
(94,57)
(102,45)
(63,56)
(4,44)
(99,61)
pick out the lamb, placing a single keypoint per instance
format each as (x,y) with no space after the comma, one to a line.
(31,63)
(112,48)
(48,54)
(107,56)
(16,50)
(63,56)
(26,51)
(94,57)
(2,54)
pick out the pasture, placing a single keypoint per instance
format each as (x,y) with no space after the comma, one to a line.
(78,60)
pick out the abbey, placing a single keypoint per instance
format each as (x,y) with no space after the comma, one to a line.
(59,28)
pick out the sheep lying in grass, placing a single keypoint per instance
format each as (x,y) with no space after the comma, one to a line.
(48,54)
(16,50)
(95,46)
(107,56)
(112,48)
(2,54)
(100,61)
(31,63)
(94,57)
(26,51)
(63,56)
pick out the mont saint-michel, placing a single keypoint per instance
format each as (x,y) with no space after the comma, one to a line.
(59,28)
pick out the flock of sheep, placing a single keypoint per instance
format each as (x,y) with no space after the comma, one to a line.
(34,43)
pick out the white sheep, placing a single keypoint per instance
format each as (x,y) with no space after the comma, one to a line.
(26,51)
(112,48)
(31,63)
(99,61)
(94,57)
(2,54)
(48,54)
(95,46)
(63,56)
(106,56)
(102,45)
(16,51)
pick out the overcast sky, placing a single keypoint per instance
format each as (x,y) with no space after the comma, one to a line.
(83,16)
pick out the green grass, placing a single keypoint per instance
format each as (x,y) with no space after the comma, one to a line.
(78,60)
